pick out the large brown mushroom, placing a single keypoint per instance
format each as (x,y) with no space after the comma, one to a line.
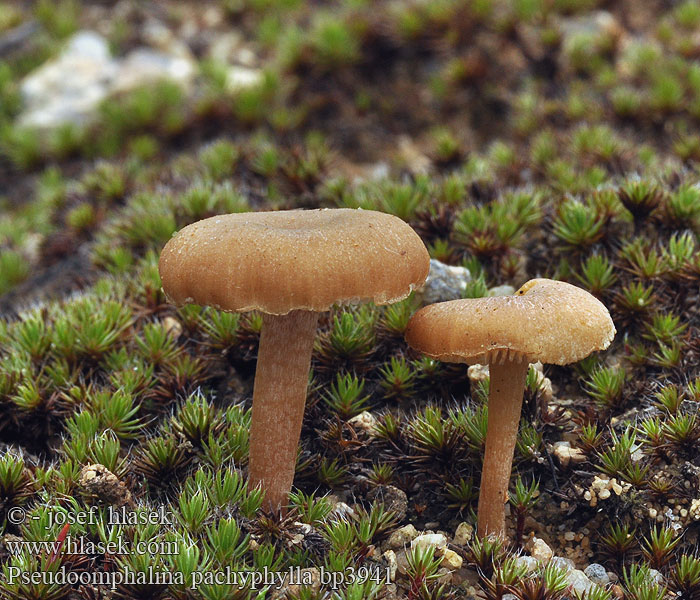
(290,265)
(548,321)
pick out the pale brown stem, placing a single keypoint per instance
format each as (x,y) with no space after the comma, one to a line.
(505,401)
(279,396)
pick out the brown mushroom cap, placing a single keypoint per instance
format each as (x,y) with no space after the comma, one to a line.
(550,321)
(277,262)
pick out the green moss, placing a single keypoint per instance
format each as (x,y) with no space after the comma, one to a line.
(333,41)
(586,174)
(13,268)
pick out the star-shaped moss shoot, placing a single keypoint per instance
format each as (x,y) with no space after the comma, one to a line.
(290,265)
(548,321)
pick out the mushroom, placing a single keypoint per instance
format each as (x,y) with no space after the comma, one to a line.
(290,265)
(548,321)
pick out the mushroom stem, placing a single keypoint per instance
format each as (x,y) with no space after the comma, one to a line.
(279,396)
(507,385)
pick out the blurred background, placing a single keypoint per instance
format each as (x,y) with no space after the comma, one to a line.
(304,103)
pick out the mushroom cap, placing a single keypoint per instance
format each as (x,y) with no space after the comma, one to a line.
(281,261)
(550,321)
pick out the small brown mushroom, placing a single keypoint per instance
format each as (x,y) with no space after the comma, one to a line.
(290,265)
(549,321)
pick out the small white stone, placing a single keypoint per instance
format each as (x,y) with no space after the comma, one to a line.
(600,483)
(478,373)
(656,576)
(391,563)
(502,290)
(364,422)
(565,564)
(529,562)
(562,452)
(376,172)
(172,326)
(637,455)
(463,534)
(577,456)
(428,540)
(578,581)
(451,559)
(540,550)
(68,88)
(444,282)
(144,65)
(402,536)
(245,56)
(240,78)
(212,16)
(597,574)
(343,510)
